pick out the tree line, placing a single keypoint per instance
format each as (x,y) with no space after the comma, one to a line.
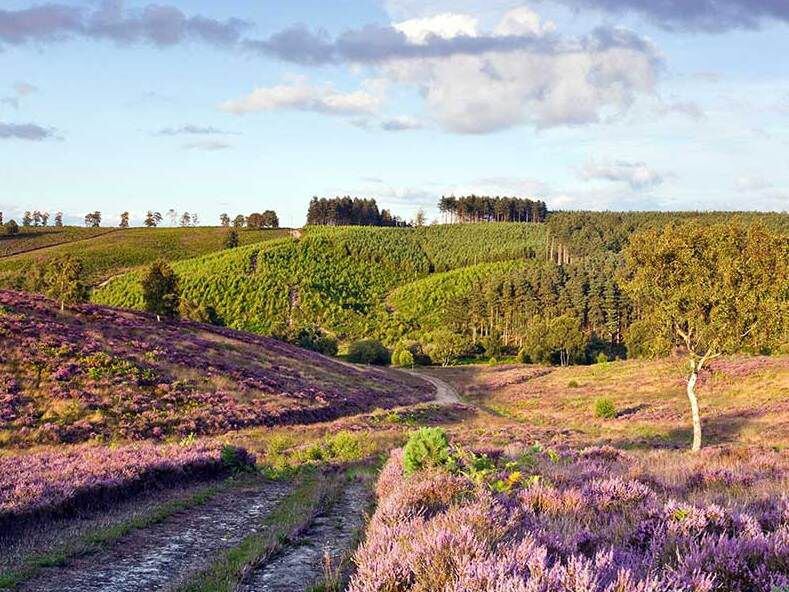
(36,219)
(478,208)
(347,211)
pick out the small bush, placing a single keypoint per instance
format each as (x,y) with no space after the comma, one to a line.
(316,339)
(523,357)
(572,384)
(237,459)
(428,447)
(605,409)
(493,362)
(602,358)
(402,358)
(369,351)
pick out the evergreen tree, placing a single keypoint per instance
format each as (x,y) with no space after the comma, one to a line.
(161,294)
(64,281)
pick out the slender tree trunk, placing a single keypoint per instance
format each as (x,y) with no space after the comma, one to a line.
(694,406)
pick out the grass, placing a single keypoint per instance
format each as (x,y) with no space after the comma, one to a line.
(313,492)
(743,399)
(99,539)
(115,251)
(32,238)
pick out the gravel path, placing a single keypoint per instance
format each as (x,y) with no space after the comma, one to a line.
(165,554)
(445,393)
(301,565)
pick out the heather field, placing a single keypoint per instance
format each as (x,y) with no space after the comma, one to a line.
(100,374)
(592,520)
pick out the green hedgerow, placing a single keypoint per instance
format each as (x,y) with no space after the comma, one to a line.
(428,447)
(605,409)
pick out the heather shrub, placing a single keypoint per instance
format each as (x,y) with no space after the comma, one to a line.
(428,447)
(605,409)
(369,351)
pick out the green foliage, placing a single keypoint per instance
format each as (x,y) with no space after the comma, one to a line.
(428,447)
(601,358)
(710,288)
(605,409)
(231,239)
(160,290)
(572,384)
(199,313)
(11,228)
(445,347)
(313,338)
(236,459)
(369,351)
(402,358)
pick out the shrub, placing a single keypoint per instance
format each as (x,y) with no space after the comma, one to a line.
(368,351)
(602,358)
(523,357)
(605,409)
(315,339)
(237,459)
(572,384)
(446,346)
(493,362)
(402,358)
(428,447)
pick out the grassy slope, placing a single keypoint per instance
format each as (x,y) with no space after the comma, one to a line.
(337,277)
(115,252)
(96,372)
(743,399)
(32,238)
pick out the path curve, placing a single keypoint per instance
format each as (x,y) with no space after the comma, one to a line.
(446,394)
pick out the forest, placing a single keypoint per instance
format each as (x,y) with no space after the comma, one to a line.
(347,211)
(478,208)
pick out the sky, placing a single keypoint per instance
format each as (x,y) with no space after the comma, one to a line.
(241,106)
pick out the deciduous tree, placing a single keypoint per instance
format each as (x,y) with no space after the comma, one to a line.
(711,290)
(63,279)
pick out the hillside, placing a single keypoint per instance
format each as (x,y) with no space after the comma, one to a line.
(98,373)
(40,237)
(335,277)
(108,252)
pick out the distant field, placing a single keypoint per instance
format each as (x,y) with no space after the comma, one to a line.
(743,400)
(336,277)
(116,251)
(33,238)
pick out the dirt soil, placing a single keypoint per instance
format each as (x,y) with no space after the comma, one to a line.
(165,554)
(333,533)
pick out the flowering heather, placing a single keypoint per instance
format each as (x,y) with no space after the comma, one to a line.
(596,520)
(99,373)
(57,480)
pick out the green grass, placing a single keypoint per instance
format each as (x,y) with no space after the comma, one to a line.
(40,237)
(117,251)
(98,539)
(313,491)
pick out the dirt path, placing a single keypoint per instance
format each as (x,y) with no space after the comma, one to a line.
(165,554)
(300,566)
(445,393)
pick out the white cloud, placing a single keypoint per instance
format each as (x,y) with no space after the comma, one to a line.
(301,95)
(445,25)
(636,174)
(401,123)
(575,82)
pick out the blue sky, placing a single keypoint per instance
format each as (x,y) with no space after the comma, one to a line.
(238,106)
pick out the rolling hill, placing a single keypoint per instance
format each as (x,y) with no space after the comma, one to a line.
(335,277)
(96,373)
(105,252)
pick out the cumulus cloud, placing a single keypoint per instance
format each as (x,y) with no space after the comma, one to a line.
(520,73)
(636,174)
(401,123)
(207,145)
(191,130)
(300,95)
(159,25)
(697,15)
(25,131)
